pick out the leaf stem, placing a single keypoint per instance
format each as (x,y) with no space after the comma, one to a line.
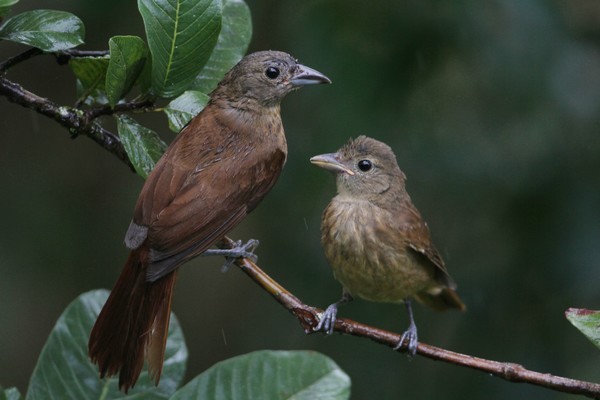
(104,392)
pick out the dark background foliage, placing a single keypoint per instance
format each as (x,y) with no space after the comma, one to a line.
(493,109)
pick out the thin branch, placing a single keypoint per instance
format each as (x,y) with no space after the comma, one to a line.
(84,53)
(309,317)
(19,58)
(63,57)
(69,117)
(95,112)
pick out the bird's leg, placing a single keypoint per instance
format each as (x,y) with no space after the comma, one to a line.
(410,335)
(327,321)
(241,250)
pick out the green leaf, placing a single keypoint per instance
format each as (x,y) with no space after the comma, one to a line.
(90,97)
(144,80)
(64,371)
(270,375)
(181,110)
(181,36)
(587,321)
(90,71)
(143,146)
(5,6)
(127,58)
(233,42)
(47,30)
(10,394)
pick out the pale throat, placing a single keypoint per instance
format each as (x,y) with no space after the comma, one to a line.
(261,126)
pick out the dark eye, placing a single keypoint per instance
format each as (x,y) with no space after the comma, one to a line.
(365,165)
(272,72)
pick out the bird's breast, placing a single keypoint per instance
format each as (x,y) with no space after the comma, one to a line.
(262,125)
(367,255)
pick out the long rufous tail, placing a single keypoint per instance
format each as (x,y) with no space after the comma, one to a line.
(133,324)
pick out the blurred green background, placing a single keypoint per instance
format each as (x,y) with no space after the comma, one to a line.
(493,110)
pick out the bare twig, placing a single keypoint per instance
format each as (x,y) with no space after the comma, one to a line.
(309,317)
(96,112)
(19,58)
(62,57)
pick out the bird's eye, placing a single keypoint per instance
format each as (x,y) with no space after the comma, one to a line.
(272,72)
(365,165)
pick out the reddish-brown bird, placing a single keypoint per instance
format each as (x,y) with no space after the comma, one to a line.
(374,238)
(212,175)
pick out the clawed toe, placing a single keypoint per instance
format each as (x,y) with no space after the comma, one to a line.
(327,321)
(246,250)
(411,338)
(240,250)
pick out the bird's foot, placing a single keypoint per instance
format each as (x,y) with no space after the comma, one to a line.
(411,338)
(327,321)
(241,250)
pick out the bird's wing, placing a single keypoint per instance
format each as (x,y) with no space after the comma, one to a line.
(418,239)
(188,207)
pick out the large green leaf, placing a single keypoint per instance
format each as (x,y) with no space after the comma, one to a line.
(5,6)
(47,30)
(127,58)
(587,321)
(233,42)
(181,110)
(10,394)
(143,146)
(270,375)
(64,371)
(181,36)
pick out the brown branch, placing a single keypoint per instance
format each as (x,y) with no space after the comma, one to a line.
(95,112)
(72,118)
(309,317)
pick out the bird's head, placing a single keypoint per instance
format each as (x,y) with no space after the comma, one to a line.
(267,77)
(365,168)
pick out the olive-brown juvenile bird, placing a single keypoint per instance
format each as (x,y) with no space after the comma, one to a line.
(212,175)
(374,238)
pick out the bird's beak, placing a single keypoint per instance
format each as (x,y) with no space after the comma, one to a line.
(331,163)
(308,76)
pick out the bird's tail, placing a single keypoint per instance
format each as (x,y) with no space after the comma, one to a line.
(133,324)
(447,298)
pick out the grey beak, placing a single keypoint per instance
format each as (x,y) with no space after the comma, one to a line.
(308,76)
(330,162)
